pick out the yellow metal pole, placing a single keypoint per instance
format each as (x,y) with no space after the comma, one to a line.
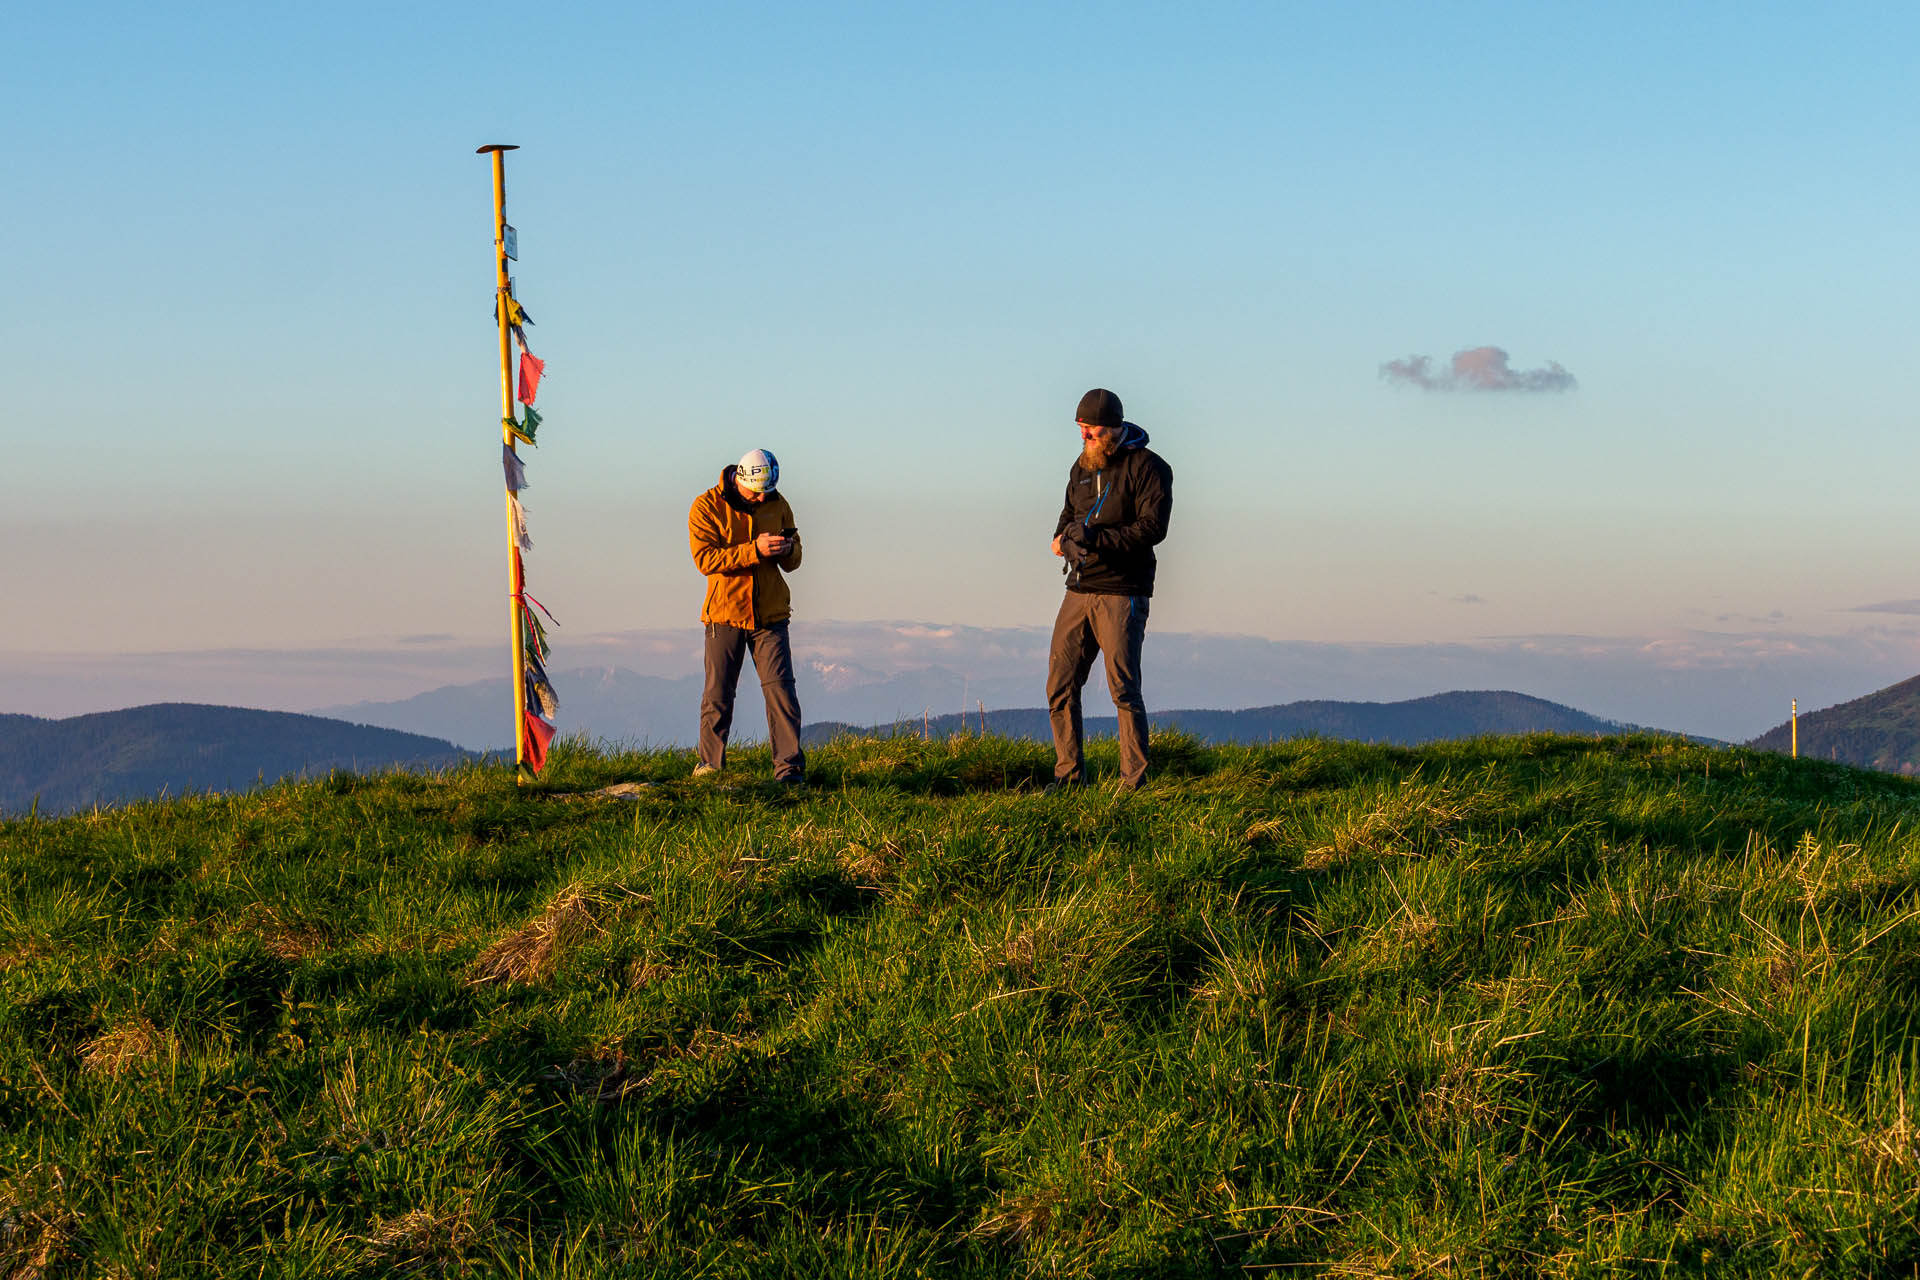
(514,581)
(1796,728)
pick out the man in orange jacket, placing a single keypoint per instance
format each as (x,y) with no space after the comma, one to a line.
(743,538)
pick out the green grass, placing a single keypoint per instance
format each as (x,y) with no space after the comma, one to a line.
(1511,1007)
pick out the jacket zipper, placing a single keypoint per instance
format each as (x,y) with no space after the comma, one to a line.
(1086,523)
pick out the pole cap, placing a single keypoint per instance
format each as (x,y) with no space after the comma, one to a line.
(496,146)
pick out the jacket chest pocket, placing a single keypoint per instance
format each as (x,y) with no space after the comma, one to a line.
(1099,501)
(1112,508)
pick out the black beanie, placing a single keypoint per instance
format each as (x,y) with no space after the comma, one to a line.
(1100,408)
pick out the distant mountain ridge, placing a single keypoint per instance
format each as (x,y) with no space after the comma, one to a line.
(177,747)
(1879,731)
(1436,718)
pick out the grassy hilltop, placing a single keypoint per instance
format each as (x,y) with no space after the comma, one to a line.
(1528,1006)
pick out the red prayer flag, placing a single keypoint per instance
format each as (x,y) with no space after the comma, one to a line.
(539,734)
(531,367)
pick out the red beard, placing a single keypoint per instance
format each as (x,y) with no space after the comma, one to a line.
(1098,452)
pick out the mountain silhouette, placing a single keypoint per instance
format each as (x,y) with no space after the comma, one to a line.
(1880,731)
(1460,714)
(178,747)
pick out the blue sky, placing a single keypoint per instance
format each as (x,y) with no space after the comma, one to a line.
(251,353)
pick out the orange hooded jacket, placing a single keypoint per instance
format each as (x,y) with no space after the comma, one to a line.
(743,590)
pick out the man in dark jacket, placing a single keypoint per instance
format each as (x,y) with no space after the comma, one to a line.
(1119,497)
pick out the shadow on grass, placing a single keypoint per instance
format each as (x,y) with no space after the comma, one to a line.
(783,1124)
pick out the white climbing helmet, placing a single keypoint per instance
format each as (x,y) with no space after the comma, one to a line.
(758,471)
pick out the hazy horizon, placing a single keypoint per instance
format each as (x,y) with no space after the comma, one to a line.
(1717,684)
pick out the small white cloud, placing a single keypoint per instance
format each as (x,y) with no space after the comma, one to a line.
(1477,369)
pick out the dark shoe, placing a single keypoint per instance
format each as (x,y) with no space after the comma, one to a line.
(796,781)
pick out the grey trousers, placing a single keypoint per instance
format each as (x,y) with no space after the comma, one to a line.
(773,658)
(1115,626)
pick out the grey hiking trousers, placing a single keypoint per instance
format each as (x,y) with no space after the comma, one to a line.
(1115,626)
(773,658)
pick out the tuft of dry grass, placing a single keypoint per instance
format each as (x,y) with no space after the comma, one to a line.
(1462,1095)
(1026,950)
(629,791)
(1380,1263)
(422,1240)
(33,1237)
(1236,978)
(1069,946)
(1264,834)
(711,1042)
(20,953)
(1401,935)
(531,952)
(743,867)
(1020,1220)
(707,1045)
(643,972)
(871,866)
(606,1080)
(1893,1149)
(887,756)
(288,939)
(125,1047)
(1413,816)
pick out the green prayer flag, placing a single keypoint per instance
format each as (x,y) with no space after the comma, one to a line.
(524,429)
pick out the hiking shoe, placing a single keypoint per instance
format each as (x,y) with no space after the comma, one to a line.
(703,770)
(1059,785)
(796,781)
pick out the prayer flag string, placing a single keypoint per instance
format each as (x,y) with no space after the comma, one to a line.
(539,701)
